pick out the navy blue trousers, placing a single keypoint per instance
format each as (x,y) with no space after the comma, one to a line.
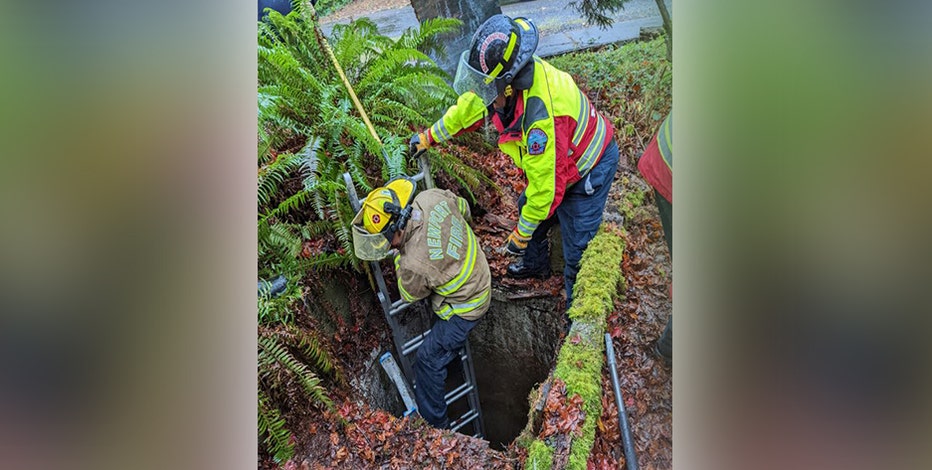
(441,347)
(579,215)
(665,344)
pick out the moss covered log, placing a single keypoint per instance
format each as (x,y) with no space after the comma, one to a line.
(579,364)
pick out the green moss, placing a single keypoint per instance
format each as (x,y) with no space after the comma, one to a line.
(630,206)
(635,198)
(580,366)
(540,456)
(599,276)
(579,363)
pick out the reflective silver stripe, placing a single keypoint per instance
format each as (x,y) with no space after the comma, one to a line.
(404,294)
(525,227)
(665,141)
(461,205)
(582,120)
(440,131)
(446,312)
(443,128)
(471,304)
(588,159)
(466,271)
(450,309)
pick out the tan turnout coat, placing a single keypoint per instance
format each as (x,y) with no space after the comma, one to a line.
(441,258)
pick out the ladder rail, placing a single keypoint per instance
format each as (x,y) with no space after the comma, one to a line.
(470,374)
(384,301)
(406,347)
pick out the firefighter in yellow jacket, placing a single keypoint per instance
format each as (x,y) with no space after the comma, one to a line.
(549,129)
(438,257)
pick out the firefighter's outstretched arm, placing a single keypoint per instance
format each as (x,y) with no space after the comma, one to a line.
(464,116)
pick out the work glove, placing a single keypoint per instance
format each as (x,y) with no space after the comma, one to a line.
(515,244)
(418,144)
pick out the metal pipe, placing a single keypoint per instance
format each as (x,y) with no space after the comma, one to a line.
(272,288)
(631,459)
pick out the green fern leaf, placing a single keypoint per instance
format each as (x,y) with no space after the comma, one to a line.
(271,425)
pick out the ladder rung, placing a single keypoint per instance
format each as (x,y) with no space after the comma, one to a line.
(458,392)
(398,307)
(414,343)
(467,417)
(417,177)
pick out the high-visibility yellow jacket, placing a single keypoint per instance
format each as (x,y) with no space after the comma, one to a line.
(556,137)
(441,258)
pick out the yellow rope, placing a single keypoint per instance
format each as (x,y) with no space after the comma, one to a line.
(326,47)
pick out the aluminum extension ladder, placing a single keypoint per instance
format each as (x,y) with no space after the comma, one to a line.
(406,346)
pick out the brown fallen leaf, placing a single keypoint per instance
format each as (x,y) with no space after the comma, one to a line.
(497,222)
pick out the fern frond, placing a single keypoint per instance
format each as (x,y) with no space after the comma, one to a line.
(271,351)
(381,68)
(425,38)
(280,236)
(274,174)
(318,227)
(323,260)
(467,176)
(271,425)
(311,349)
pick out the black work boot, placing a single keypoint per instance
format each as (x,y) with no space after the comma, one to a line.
(518,270)
(663,348)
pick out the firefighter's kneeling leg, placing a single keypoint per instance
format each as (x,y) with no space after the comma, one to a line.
(439,349)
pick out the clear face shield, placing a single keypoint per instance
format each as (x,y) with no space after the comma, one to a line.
(368,246)
(469,79)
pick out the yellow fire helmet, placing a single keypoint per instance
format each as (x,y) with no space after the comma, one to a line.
(384,211)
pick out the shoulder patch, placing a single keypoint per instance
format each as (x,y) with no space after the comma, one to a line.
(536,142)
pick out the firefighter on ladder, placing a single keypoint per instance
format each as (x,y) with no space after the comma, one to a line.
(438,257)
(549,129)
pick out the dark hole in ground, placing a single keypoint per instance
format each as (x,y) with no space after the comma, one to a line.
(513,351)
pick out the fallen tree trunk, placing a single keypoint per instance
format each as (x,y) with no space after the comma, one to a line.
(566,436)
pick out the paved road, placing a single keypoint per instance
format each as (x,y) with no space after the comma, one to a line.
(561,27)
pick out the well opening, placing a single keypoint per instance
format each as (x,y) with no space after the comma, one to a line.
(513,350)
